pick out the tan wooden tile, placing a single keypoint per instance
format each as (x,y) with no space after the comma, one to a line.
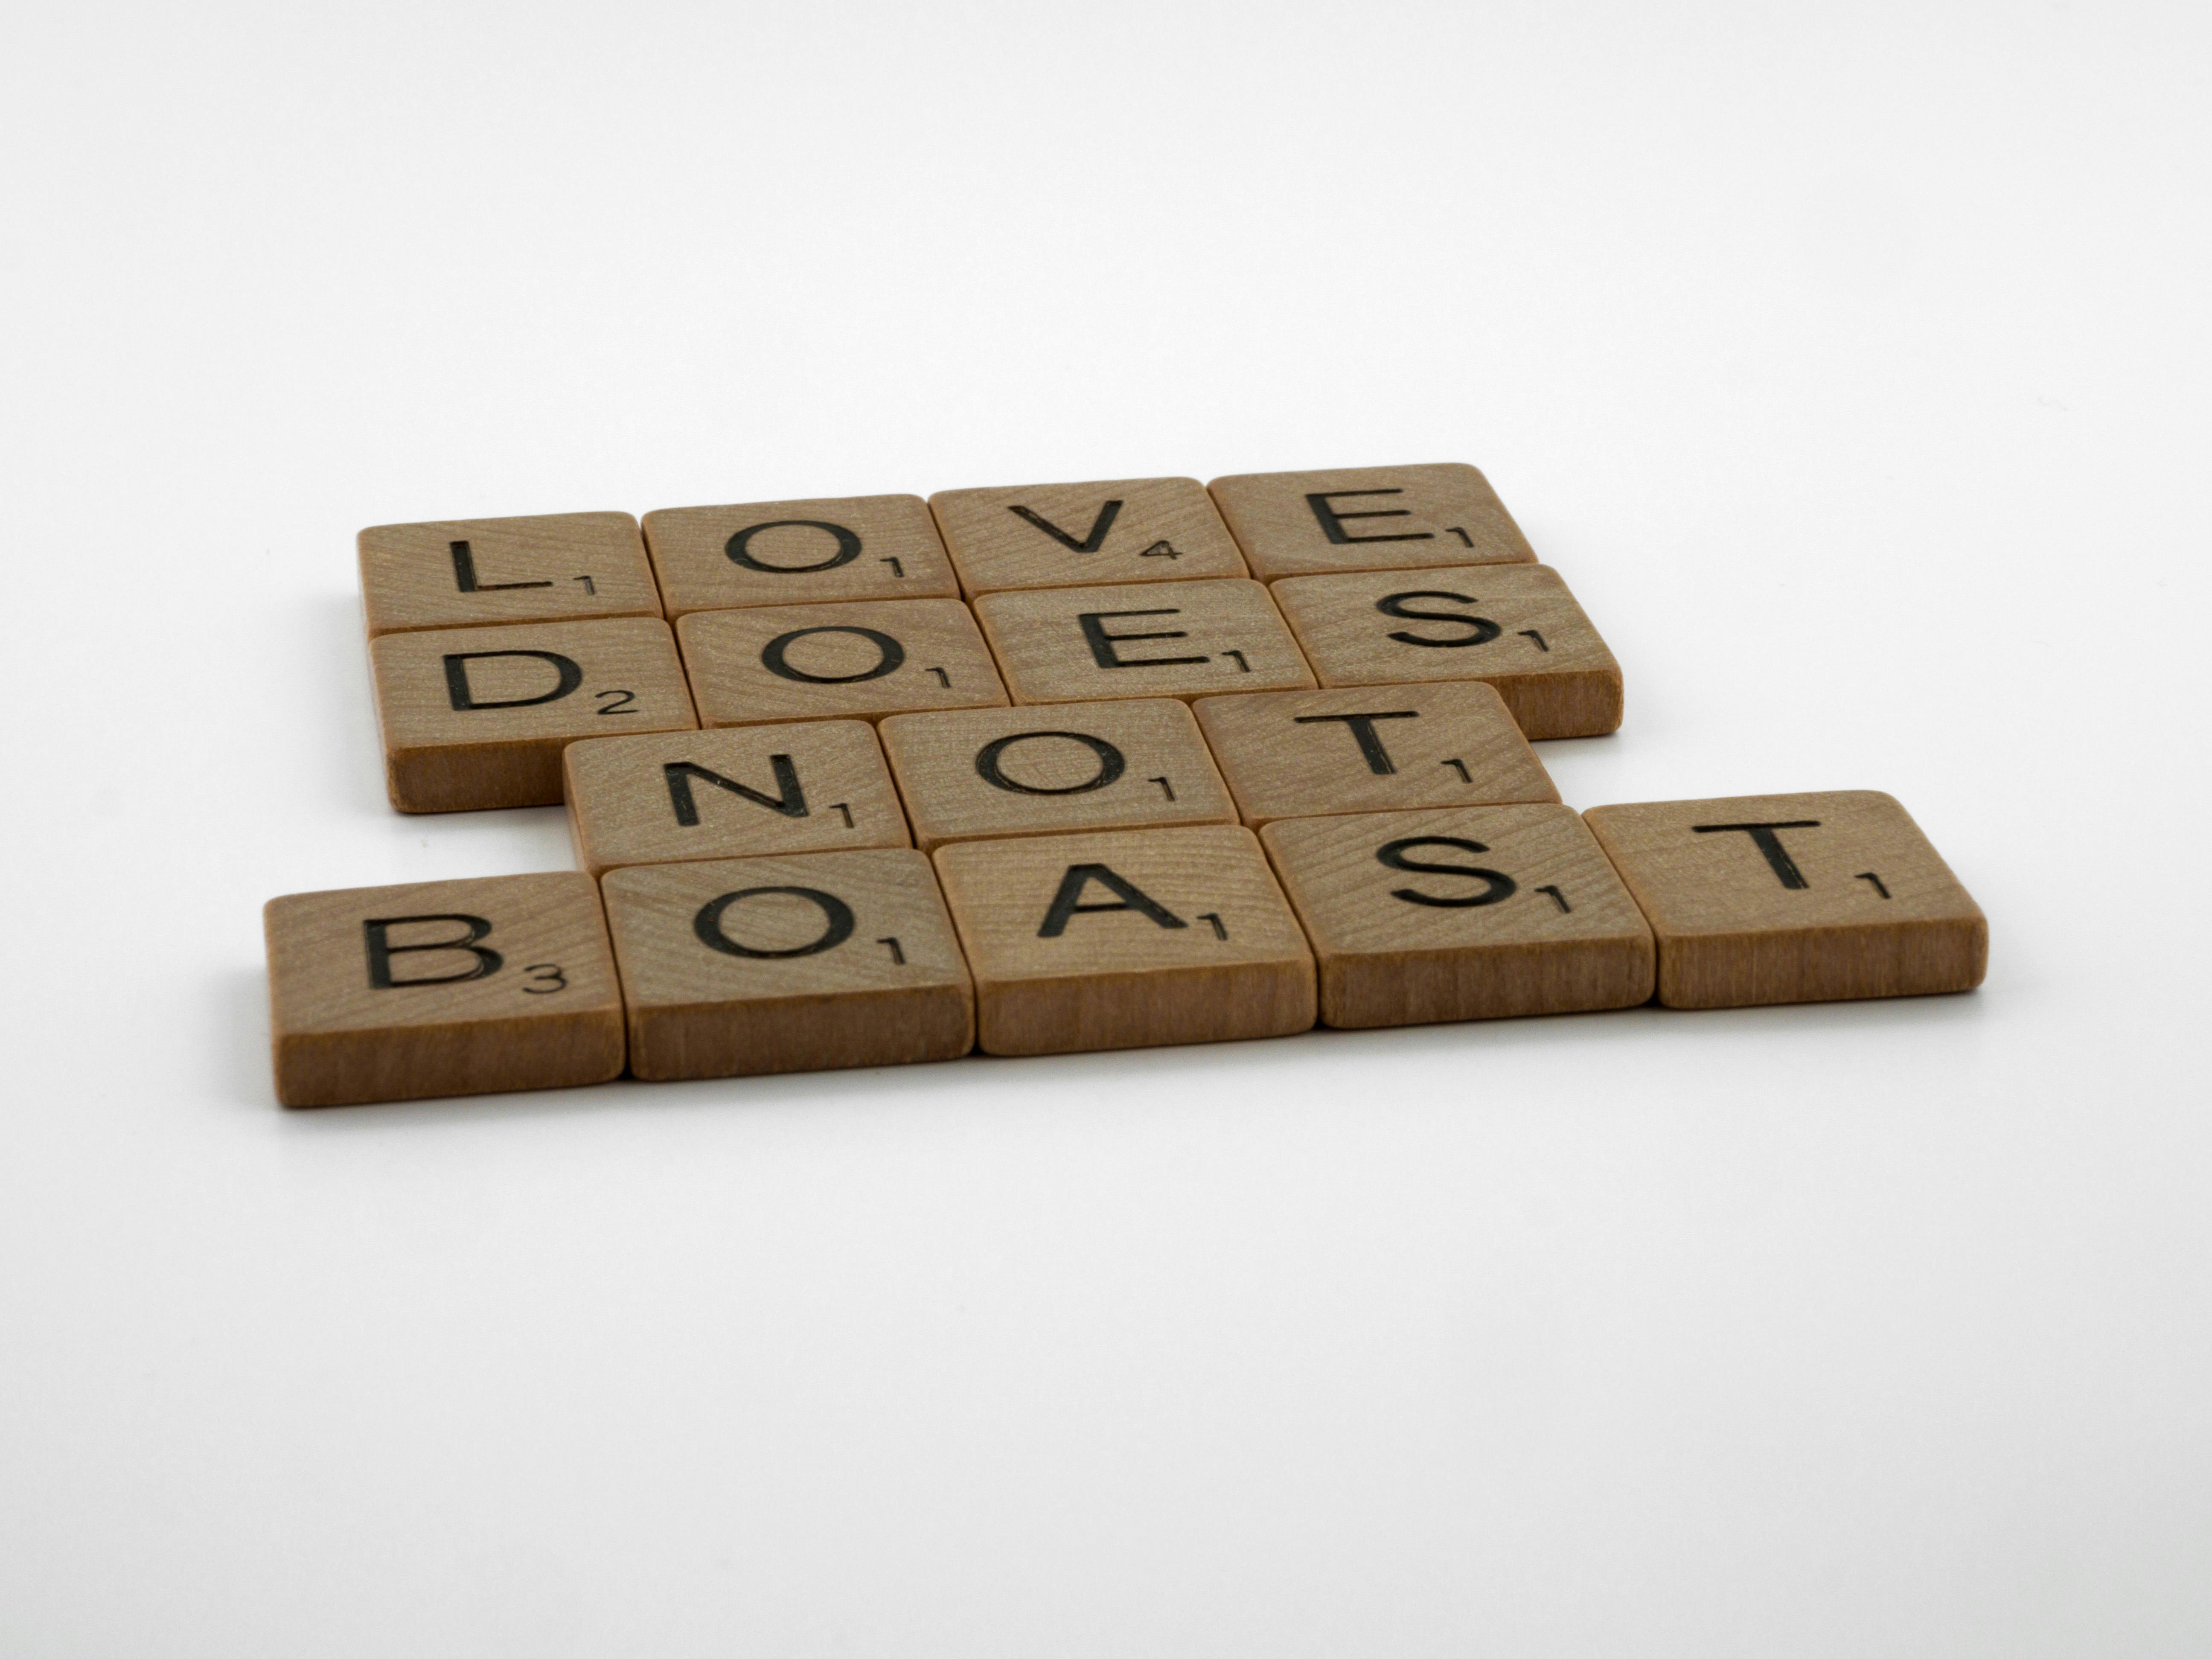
(1067,535)
(1126,938)
(1295,754)
(1367,517)
(465,573)
(478,717)
(441,988)
(796,963)
(1467,912)
(1513,626)
(1140,640)
(815,552)
(735,791)
(798,662)
(1131,764)
(1794,898)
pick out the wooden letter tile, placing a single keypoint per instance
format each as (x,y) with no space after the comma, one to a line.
(1126,938)
(1134,764)
(1128,529)
(798,662)
(441,988)
(1794,898)
(1367,517)
(737,791)
(464,573)
(853,547)
(741,966)
(1141,640)
(1515,626)
(1470,913)
(1297,754)
(478,717)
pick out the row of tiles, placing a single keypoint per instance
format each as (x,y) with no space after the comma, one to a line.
(568,566)
(1122,938)
(478,717)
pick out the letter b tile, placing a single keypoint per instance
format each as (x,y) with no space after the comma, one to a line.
(1794,898)
(477,717)
(741,966)
(442,987)
(1126,938)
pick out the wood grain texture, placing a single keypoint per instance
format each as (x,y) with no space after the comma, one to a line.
(829,550)
(1140,640)
(1126,939)
(478,717)
(1294,753)
(979,773)
(737,791)
(1068,535)
(473,573)
(1515,626)
(858,661)
(1519,914)
(1794,898)
(741,966)
(1367,517)
(441,988)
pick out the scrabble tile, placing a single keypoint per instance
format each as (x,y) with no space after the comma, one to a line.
(464,573)
(1067,535)
(1140,640)
(1297,754)
(798,964)
(477,717)
(798,662)
(1794,898)
(1126,938)
(1367,517)
(441,988)
(981,773)
(817,552)
(1466,912)
(1514,626)
(735,791)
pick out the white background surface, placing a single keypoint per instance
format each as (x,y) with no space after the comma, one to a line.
(1850,362)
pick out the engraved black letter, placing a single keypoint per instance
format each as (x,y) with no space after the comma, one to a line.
(457,678)
(848,547)
(1764,838)
(891,656)
(381,949)
(1102,642)
(465,573)
(1110,763)
(791,800)
(1331,521)
(1480,629)
(1496,884)
(1090,544)
(1364,734)
(1080,876)
(836,915)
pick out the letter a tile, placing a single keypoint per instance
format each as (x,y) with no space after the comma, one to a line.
(788,964)
(1472,913)
(1794,898)
(442,987)
(1126,938)
(1367,517)
(477,717)
(1514,626)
